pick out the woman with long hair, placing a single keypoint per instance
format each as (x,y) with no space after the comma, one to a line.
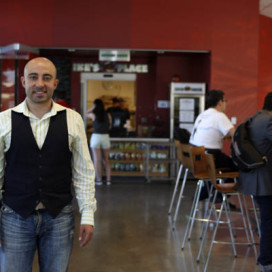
(100,141)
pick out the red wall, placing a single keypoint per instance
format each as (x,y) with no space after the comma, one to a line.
(265,58)
(229,29)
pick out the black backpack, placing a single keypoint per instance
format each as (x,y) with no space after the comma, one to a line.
(244,155)
(182,134)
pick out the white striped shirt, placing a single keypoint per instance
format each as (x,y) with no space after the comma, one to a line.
(82,166)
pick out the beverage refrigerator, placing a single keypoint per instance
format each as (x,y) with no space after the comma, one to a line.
(187,101)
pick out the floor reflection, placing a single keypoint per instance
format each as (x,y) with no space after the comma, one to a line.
(133,233)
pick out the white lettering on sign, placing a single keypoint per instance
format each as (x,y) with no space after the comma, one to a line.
(96,67)
(120,68)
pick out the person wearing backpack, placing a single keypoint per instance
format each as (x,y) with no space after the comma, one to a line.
(258,181)
(209,130)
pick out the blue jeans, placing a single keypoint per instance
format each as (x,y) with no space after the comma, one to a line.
(265,258)
(53,238)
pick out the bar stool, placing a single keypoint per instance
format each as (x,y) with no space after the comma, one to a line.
(200,170)
(195,157)
(226,189)
(187,164)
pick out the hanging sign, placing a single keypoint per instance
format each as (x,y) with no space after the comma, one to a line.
(114,55)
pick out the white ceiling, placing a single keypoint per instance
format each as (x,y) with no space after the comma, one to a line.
(266,8)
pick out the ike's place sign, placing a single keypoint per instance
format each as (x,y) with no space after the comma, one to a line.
(110,67)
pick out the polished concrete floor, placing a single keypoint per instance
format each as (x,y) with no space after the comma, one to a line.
(133,233)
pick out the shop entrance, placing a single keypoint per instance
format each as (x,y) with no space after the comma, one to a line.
(106,87)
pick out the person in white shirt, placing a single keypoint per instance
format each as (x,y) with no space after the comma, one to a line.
(211,127)
(43,153)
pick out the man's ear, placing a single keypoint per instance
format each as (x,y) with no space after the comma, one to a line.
(23,81)
(56,83)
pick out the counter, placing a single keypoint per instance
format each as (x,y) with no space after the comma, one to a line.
(152,158)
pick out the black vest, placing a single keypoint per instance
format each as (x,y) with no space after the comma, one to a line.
(32,174)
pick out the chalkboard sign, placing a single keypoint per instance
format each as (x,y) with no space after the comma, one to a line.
(64,75)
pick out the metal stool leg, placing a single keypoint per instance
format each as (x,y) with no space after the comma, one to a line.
(196,207)
(195,210)
(205,226)
(244,216)
(223,206)
(206,211)
(196,196)
(180,196)
(175,189)
(250,227)
(229,225)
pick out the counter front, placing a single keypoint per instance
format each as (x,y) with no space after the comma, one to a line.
(152,158)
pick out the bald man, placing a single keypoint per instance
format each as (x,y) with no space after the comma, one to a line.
(43,152)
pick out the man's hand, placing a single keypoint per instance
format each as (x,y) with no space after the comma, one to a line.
(85,234)
(227,138)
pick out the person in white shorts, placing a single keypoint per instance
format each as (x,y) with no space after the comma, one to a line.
(100,141)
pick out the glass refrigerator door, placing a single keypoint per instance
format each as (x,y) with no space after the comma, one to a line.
(186,109)
(187,101)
